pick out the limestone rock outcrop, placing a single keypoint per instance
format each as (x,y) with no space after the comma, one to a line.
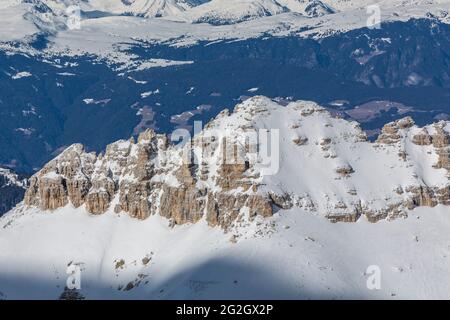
(149,177)
(391,132)
(320,164)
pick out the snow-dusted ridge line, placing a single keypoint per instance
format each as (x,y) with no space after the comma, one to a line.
(110,36)
(324,165)
(139,8)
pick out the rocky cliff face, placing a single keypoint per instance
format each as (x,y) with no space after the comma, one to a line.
(150,177)
(226,173)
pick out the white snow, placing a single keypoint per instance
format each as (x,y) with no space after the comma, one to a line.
(149,93)
(308,172)
(294,255)
(11,178)
(89,101)
(25,131)
(232,11)
(66,74)
(146,8)
(13,26)
(110,36)
(137,81)
(20,75)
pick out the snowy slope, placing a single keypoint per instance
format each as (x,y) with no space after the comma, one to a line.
(311,8)
(141,8)
(14,28)
(219,12)
(145,8)
(109,36)
(321,164)
(314,146)
(295,253)
(23,19)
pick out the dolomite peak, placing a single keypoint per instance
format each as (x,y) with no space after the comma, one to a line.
(225,173)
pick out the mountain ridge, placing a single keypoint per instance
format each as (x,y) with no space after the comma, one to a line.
(291,252)
(153,177)
(280,198)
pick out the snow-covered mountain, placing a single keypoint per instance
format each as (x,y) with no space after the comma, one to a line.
(148,219)
(25,18)
(224,12)
(219,12)
(110,23)
(310,8)
(144,8)
(59,66)
(151,177)
(132,218)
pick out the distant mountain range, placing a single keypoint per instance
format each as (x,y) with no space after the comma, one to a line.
(216,12)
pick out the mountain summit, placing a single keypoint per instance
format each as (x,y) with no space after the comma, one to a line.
(144,8)
(318,163)
(149,219)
